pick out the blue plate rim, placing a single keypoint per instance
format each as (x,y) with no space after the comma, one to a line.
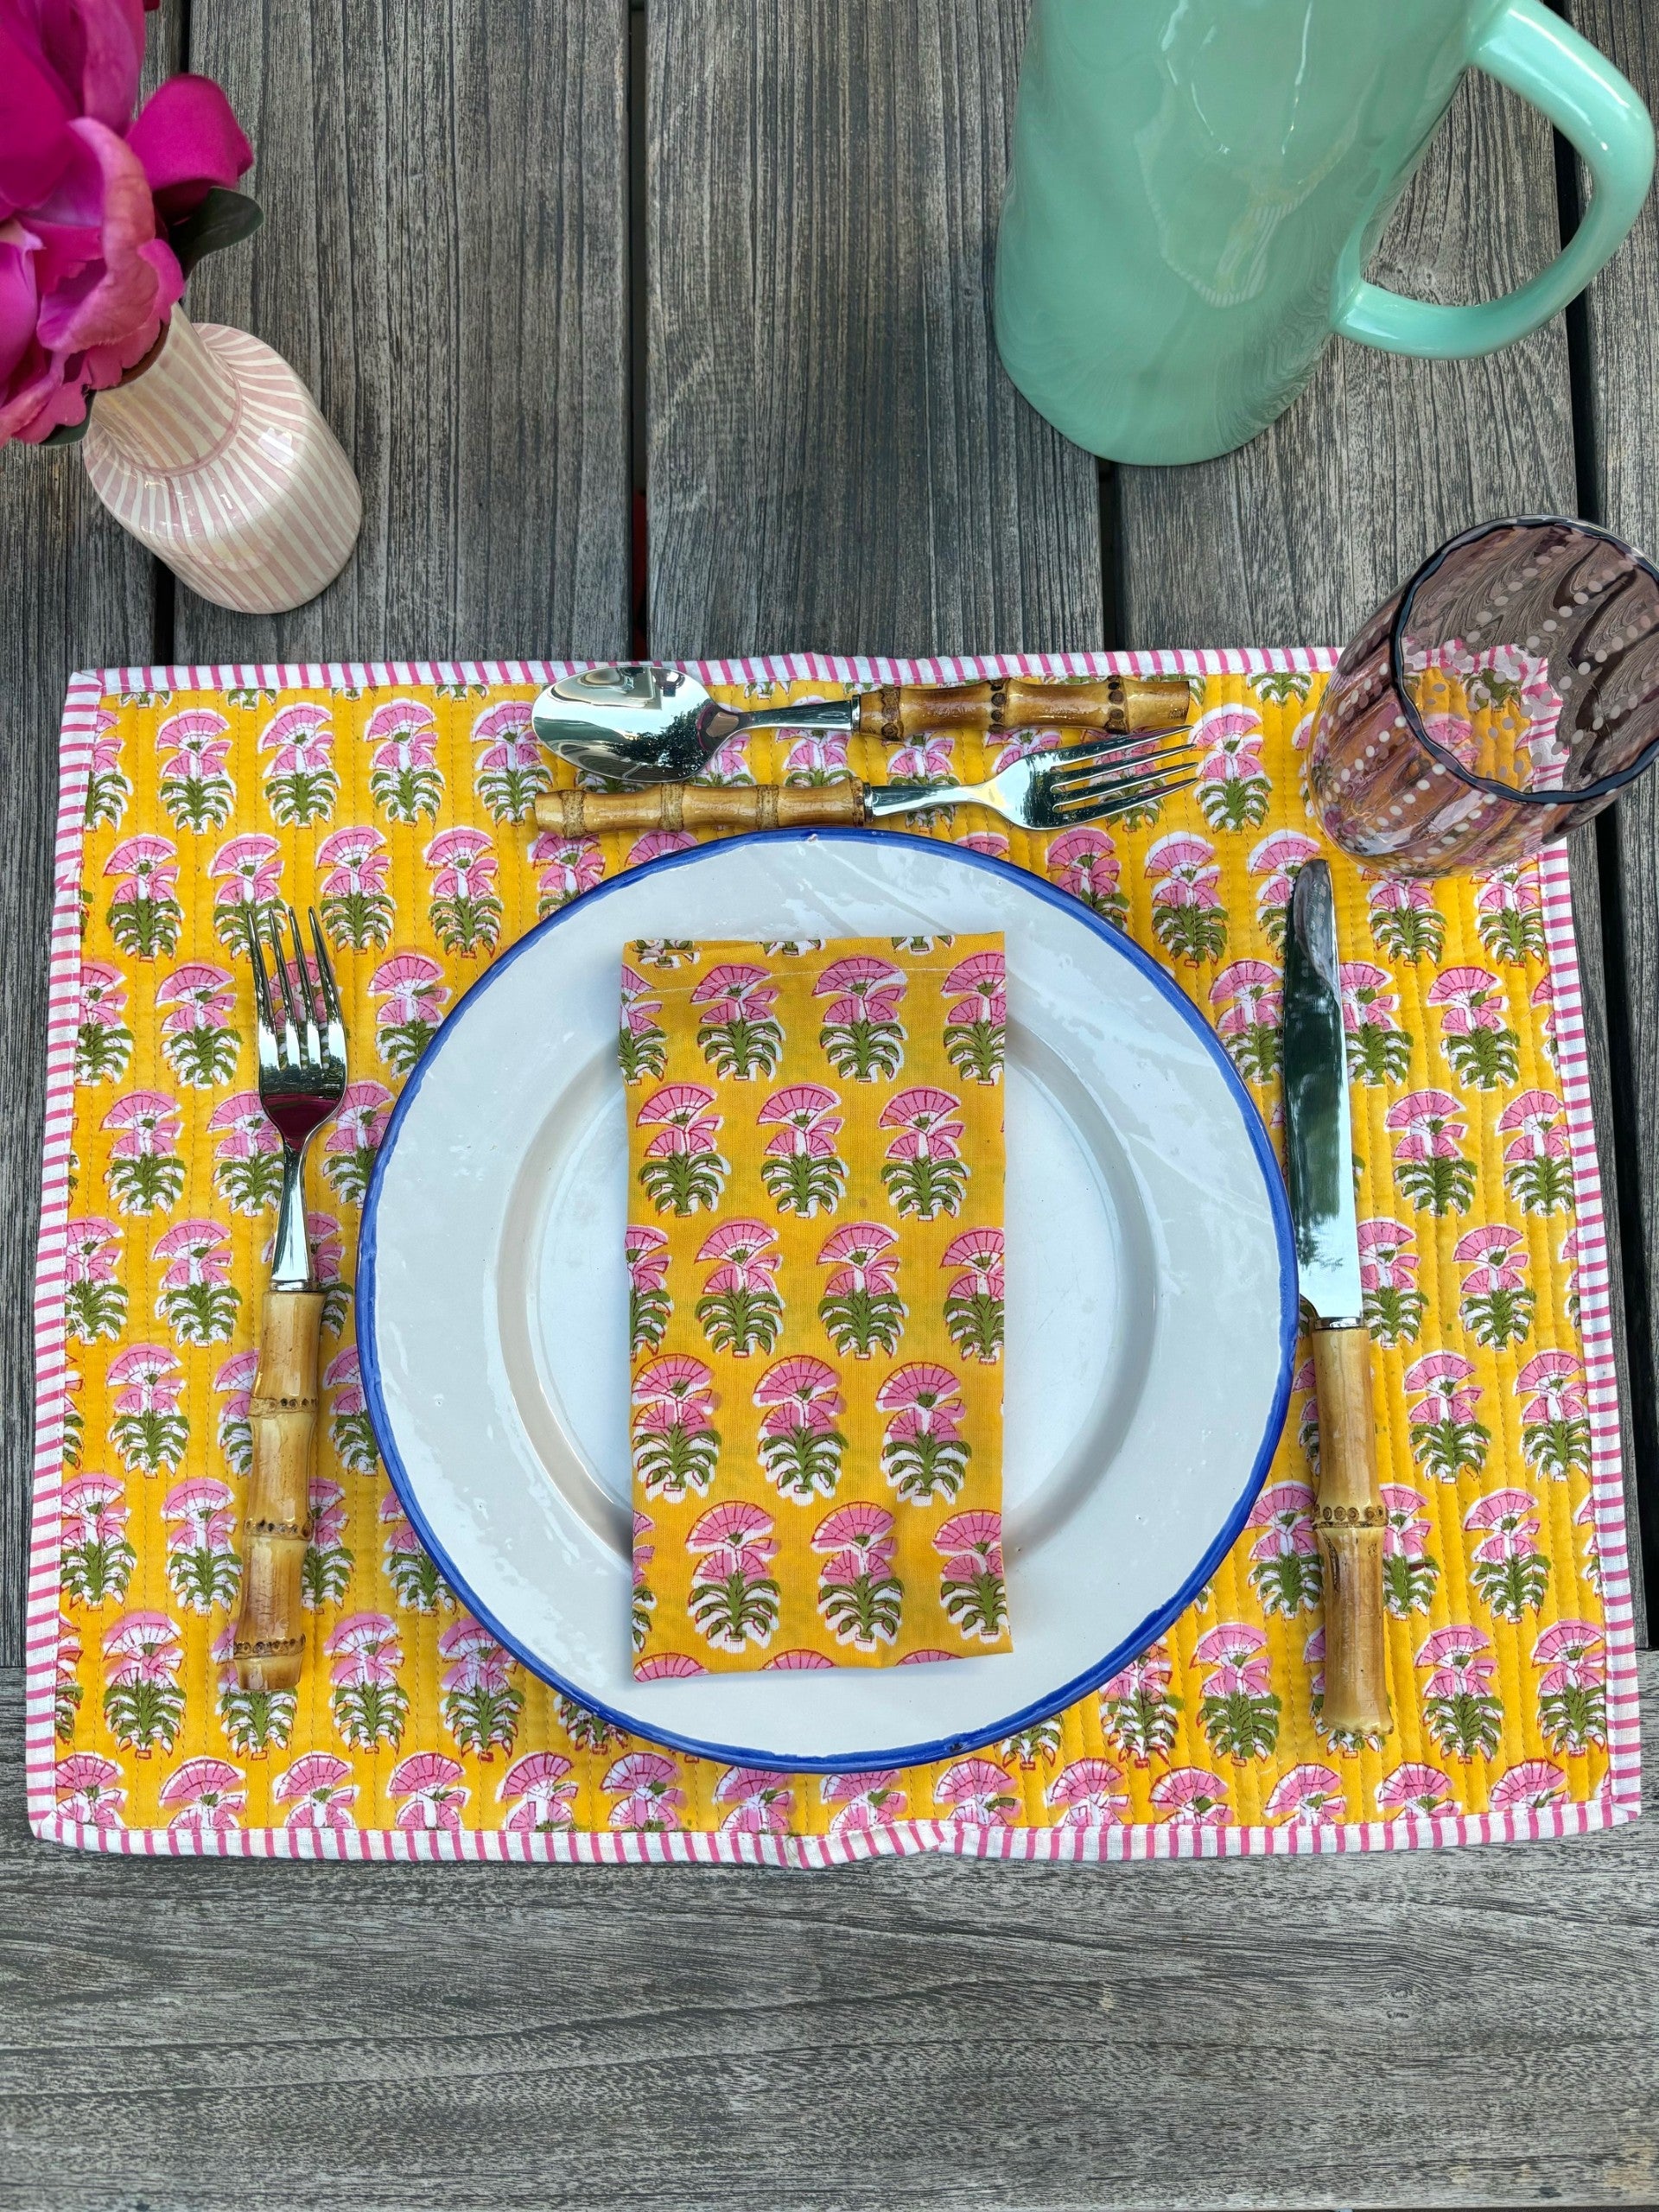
(1129,1646)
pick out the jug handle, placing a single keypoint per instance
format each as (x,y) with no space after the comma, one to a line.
(1536,54)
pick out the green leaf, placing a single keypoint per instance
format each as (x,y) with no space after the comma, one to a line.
(223,219)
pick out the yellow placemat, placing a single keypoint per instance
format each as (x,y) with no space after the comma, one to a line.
(396,797)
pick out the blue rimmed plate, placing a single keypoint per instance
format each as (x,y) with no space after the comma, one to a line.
(1151,1300)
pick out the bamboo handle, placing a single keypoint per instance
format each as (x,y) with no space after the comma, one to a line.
(1349,1524)
(1115,702)
(700,806)
(269,1644)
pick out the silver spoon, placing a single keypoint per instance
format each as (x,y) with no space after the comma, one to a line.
(647,722)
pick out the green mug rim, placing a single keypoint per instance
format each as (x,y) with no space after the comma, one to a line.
(1581,795)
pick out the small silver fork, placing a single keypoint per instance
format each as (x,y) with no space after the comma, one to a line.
(302,1076)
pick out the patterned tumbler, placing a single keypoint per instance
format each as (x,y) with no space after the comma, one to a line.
(1506,693)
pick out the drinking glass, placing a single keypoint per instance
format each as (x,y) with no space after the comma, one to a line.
(1507,693)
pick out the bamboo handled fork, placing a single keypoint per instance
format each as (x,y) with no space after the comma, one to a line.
(301,1081)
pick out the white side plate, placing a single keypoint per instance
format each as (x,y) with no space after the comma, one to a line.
(1151,1298)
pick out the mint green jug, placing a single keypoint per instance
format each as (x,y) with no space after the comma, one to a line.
(1198,185)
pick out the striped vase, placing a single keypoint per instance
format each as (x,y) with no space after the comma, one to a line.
(217,459)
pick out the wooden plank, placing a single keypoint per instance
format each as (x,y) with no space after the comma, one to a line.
(79,594)
(1299,536)
(1620,419)
(1465,2027)
(445,262)
(836,459)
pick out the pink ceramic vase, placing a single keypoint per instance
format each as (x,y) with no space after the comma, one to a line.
(217,459)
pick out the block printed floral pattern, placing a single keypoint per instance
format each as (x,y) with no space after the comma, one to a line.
(814,1257)
(400,810)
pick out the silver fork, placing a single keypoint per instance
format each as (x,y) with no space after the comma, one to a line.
(301,1081)
(1112,774)
(1077,783)
(302,1076)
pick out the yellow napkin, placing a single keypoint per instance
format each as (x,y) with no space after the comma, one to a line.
(814,1249)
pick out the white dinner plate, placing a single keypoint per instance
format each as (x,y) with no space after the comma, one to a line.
(1151,1298)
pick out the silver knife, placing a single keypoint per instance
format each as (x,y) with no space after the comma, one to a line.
(1349,1519)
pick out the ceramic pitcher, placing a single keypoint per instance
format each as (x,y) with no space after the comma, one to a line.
(1198,185)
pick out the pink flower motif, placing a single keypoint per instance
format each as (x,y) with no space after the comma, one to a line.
(1192,1798)
(412,986)
(802,1392)
(979,1792)
(143,1647)
(1494,1257)
(1308,1796)
(679,1113)
(1249,994)
(816,755)
(569,866)
(733,1526)
(972,1542)
(735,990)
(463,863)
(1440,1375)
(761,1801)
(1510,891)
(328,1511)
(1023,744)
(202,995)
(1182,870)
(1231,738)
(539,1788)
(667,1667)
(1415,1790)
(359,1122)
(1368,998)
(477,1661)
(246,1131)
(982,980)
(301,737)
(195,743)
(319,1790)
(656,845)
(1405,1533)
(740,1246)
(147,866)
(861,1527)
(94,1510)
(926,1397)
(1285,1512)
(926,1120)
(1237,1654)
(90,1253)
(150,1380)
(856,1253)
(1511,1516)
(1430,1121)
(930,754)
(1461,1659)
(508,736)
(1084,862)
(1472,999)
(404,735)
(103,994)
(1277,858)
(797,1663)
(649,1795)
(430,1784)
(84,1787)
(196,1252)
(247,869)
(865,1801)
(1088,1789)
(209,1794)
(1149,1674)
(876,985)
(647,1257)
(1385,1262)
(1534,1783)
(808,1123)
(678,1387)
(637,1003)
(149,1122)
(980,1252)
(1575,1654)
(1540,1118)
(355,862)
(367,1647)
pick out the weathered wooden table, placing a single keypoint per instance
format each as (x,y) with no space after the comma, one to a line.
(735,252)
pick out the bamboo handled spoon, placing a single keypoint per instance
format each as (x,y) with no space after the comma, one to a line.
(646,722)
(301,1081)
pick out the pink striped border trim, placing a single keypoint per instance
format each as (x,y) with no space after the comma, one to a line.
(1621,1801)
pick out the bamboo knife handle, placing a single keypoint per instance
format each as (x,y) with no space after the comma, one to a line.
(1115,702)
(269,1644)
(700,806)
(1349,1523)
